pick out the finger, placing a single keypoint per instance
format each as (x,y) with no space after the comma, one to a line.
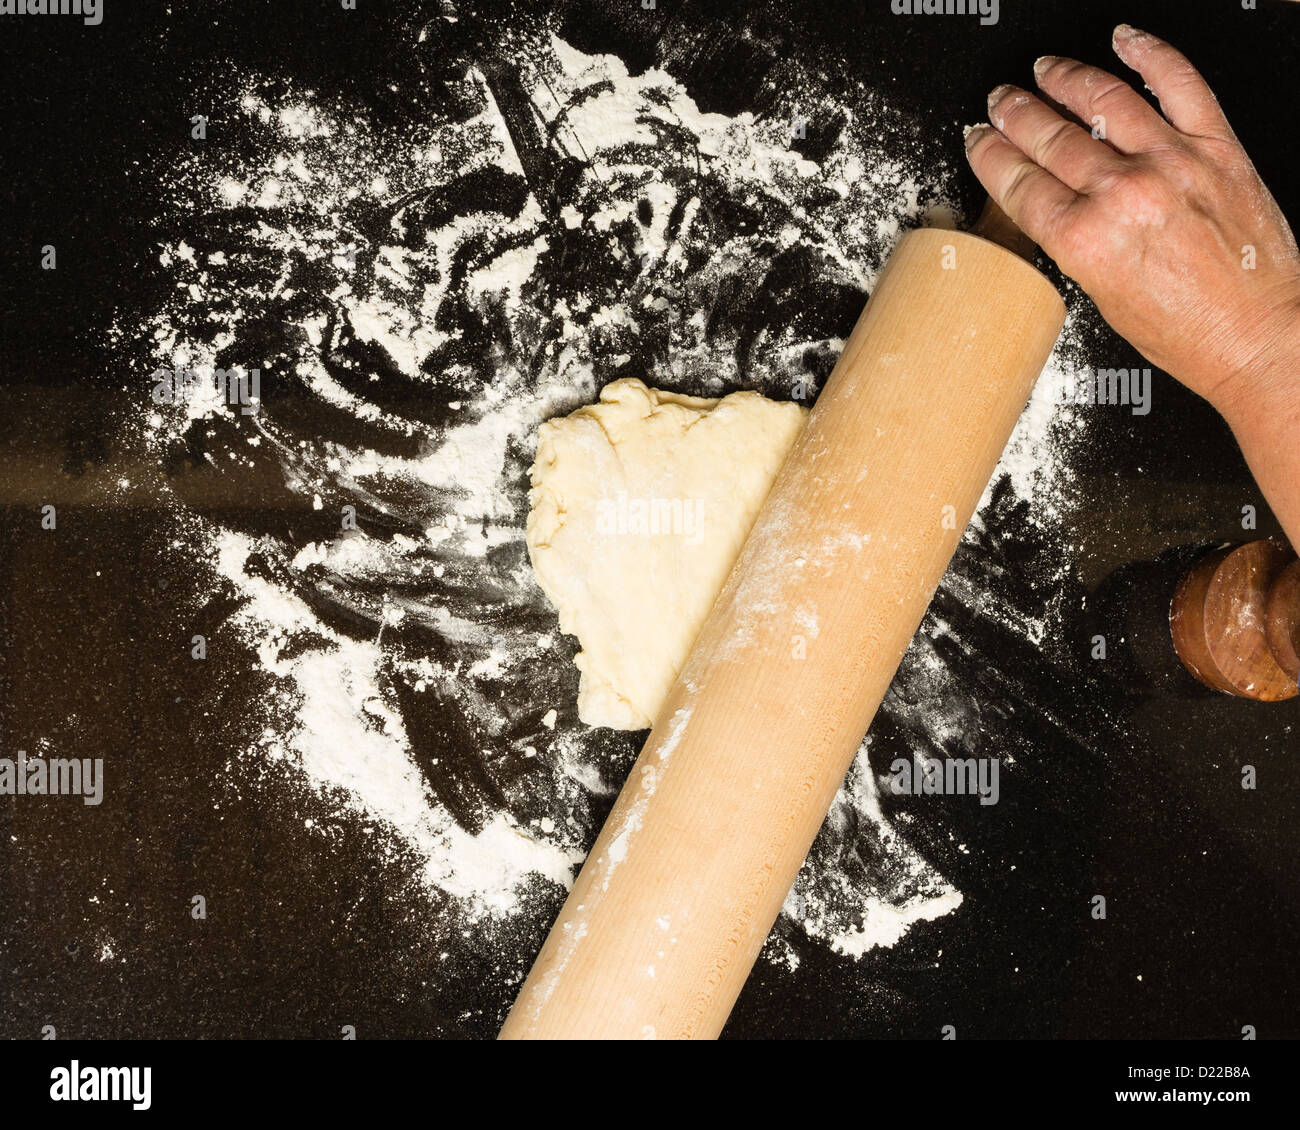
(1069,153)
(1185,97)
(1106,105)
(1026,192)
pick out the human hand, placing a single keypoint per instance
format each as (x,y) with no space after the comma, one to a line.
(1163,220)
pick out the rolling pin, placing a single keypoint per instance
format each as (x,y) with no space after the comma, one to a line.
(1235,621)
(689,872)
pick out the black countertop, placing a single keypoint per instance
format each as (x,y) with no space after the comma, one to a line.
(1128,782)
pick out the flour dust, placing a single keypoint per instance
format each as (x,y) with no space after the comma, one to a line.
(415,302)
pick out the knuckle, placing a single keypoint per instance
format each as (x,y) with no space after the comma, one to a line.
(1181,168)
(1110,93)
(1020,182)
(1049,144)
(1120,182)
(1142,194)
(1184,78)
(1177,167)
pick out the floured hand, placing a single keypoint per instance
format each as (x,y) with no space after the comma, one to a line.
(1164,221)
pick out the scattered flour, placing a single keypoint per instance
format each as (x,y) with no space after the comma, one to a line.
(416,303)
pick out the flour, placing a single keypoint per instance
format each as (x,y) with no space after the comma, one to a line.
(418,301)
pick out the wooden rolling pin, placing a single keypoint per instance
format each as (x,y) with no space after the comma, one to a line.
(689,872)
(1235,621)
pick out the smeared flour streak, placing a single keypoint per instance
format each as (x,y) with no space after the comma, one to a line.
(418,301)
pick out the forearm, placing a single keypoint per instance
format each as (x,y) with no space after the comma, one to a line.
(1264,414)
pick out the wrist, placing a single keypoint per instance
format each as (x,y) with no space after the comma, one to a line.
(1264,392)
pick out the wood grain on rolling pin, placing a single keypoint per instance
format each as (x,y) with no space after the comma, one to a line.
(688,874)
(1283,616)
(1220,623)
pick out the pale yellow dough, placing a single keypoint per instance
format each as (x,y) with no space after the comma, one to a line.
(640,505)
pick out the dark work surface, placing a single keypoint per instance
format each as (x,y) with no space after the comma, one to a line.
(1146,808)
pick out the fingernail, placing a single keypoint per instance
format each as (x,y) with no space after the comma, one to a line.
(973,135)
(1124,33)
(998,93)
(1045,64)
